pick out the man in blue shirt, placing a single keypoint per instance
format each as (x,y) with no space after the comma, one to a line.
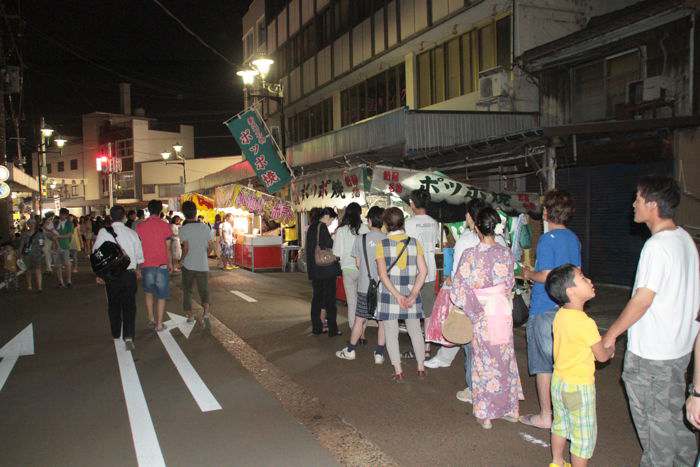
(557,246)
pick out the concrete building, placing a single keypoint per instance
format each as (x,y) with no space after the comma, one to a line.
(135,143)
(391,81)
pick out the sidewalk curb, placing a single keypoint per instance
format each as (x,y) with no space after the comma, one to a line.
(339,437)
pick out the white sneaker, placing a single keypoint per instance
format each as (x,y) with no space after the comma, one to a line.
(129,345)
(345,354)
(378,359)
(435,362)
(465,395)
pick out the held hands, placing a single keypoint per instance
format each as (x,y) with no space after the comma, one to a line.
(99,281)
(526,273)
(692,411)
(609,344)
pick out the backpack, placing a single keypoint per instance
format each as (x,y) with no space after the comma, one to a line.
(109,260)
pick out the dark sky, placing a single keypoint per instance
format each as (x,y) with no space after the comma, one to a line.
(75,52)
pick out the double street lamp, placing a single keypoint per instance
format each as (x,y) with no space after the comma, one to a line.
(177,147)
(255,77)
(46,133)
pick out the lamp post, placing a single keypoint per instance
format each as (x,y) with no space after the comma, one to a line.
(45,133)
(260,68)
(177,147)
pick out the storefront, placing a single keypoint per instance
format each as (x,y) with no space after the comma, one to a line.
(258,220)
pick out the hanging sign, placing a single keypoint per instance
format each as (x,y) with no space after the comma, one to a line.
(333,189)
(270,207)
(259,148)
(401,182)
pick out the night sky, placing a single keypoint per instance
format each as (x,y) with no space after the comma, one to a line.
(75,52)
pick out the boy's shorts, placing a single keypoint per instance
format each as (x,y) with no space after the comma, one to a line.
(156,281)
(540,343)
(61,256)
(575,415)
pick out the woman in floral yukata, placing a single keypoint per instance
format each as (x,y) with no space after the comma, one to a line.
(482,289)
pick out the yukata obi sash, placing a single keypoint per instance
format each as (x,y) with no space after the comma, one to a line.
(498,313)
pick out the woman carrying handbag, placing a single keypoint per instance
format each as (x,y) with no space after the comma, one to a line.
(322,269)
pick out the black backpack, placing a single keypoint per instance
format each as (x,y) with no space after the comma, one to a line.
(109,260)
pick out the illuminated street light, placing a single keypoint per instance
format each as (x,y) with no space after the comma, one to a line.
(60,142)
(165,155)
(262,65)
(46,132)
(52,185)
(248,76)
(178,148)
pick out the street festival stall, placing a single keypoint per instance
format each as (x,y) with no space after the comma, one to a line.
(256,223)
(205,206)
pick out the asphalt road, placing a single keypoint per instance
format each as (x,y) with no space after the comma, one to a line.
(286,399)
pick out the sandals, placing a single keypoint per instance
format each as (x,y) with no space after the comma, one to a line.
(485,424)
(421,374)
(529,420)
(398,377)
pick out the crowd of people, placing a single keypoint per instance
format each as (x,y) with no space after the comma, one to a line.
(388,265)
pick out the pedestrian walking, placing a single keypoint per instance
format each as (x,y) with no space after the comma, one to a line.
(661,327)
(121,290)
(195,238)
(62,256)
(50,235)
(155,235)
(76,243)
(350,228)
(557,246)
(175,244)
(322,276)
(426,230)
(130,219)
(402,270)
(31,249)
(577,346)
(364,252)
(140,217)
(227,242)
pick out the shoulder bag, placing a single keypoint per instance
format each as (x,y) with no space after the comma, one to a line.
(109,260)
(322,257)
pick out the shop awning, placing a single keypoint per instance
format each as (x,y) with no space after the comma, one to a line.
(256,202)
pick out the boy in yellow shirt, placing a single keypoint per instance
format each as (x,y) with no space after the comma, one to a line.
(577,345)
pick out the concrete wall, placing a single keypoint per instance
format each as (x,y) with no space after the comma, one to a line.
(148,144)
(160,173)
(686,144)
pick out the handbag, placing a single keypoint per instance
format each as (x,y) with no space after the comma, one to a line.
(458,328)
(322,257)
(109,261)
(373,289)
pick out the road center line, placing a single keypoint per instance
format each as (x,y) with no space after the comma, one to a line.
(148,452)
(201,393)
(245,297)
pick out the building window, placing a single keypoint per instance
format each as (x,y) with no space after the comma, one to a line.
(487,47)
(127,164)
(74,191)
(619,72)
(424,88)
(248,44)
(381,93)
(503,42)
(312,122)
(438,73)
(262,32)
(61,166)
(125,147)
(74,164)
(148,189)
(588,93)
(454,72)
(48,167)
(467,63)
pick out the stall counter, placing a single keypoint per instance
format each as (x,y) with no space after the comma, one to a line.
(256,252)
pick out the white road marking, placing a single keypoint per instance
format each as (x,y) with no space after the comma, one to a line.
(180,322)
(245,297)
(531,439)
(201,393)
(21,344)
(148,452)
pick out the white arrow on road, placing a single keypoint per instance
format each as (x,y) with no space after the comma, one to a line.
(245,297)
(21,344)
(201,393)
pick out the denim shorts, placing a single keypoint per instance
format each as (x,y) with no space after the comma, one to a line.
(540,343)
(156,281)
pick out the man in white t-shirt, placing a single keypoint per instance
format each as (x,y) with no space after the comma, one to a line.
(661,327)
(427,231)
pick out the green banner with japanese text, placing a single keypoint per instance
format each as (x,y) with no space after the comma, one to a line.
(259,148)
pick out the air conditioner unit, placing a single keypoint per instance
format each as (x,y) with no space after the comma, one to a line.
(493,83)
(655,86)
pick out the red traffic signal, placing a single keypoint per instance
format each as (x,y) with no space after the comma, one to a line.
(102,163)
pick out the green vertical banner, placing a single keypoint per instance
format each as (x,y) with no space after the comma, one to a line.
(259,149)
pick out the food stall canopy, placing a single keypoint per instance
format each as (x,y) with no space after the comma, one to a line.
(333,188)
(205,205)
(241,197)
(448,196)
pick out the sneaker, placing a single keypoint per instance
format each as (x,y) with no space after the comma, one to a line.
(435,362)
(378,359)
(465,395)
(69,285)
(190,319)
(345,354)
(206,322)
(129,344)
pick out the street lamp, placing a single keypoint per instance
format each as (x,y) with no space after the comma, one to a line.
(60,142)
(165,155)
(178,148)
(262,65)
(248,76)
(46,132)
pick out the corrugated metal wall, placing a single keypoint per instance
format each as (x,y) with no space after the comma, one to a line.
(604,220)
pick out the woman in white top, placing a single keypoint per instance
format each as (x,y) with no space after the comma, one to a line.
(350,227)
(176,246)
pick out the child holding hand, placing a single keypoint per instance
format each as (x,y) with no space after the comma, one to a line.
(577,345)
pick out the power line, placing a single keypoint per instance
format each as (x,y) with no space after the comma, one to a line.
(193,34)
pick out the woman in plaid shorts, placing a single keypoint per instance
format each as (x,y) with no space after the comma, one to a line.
(402,270)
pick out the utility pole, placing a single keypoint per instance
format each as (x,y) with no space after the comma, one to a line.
(6,203)
(111,175)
